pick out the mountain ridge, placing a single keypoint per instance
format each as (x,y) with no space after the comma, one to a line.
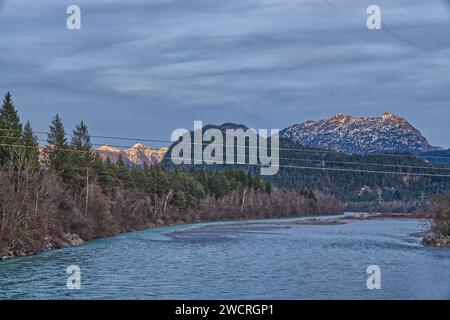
(139,154)
(345,133)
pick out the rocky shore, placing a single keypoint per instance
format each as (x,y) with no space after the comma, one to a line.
(436,240)
(72,239)
(67,240)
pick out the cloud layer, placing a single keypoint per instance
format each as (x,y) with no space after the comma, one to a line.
(144,68)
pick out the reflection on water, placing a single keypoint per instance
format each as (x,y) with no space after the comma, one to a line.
(240,261)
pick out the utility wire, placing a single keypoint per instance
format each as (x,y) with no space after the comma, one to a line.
(319,160)
(251,147)
(280,166)
(322,161)
(339,169)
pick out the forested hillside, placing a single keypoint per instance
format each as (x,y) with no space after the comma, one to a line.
(374,177)
(372,180)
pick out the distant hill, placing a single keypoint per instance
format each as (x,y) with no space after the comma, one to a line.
(388,133)
(350,177)
(360,177)
(168,164)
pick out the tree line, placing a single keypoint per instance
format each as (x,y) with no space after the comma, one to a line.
(49,193)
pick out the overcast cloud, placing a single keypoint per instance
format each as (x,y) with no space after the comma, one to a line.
(143,68)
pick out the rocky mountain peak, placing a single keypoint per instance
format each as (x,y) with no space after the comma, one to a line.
(139,146)
(387,133)
(139,154)
(339,117)
(389,116)
(106,148)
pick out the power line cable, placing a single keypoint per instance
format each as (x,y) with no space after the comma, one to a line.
(254,147)
(280,166)
(316,160)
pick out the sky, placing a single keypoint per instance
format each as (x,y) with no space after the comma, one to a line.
(144,68)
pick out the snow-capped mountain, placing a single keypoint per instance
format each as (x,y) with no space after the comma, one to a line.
(138,154)
(388,133)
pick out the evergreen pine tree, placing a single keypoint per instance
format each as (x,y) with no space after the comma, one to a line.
(30,140)
(57,134)
(81,139)
(10,130)
(81,157)
(56,150)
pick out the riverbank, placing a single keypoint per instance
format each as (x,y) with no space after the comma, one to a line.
(72,239)
(66,241)
(432,239)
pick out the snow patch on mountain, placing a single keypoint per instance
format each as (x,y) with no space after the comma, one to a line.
(388,133)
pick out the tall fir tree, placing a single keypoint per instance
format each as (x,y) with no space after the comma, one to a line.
(57,135)
(10,130)
(30,140)
(81,140)
(57,149)
(81,157)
